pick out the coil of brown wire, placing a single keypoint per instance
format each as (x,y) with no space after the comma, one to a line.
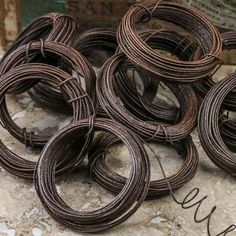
(139,104)
(98,38)
(124,204)
(105,41)
(154,63)
(147,130)
(208,125)
(56,51)
(52,62)
(227,127)
(51,27)
(80,102)
(114,182)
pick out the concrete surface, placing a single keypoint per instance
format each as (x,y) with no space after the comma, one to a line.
(21,213)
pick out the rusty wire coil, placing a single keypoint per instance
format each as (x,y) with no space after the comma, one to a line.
(140,104)
(51,27)
(80,101)
(227,127)
(228,131)
(103,39)
(98,38)
(114,182)
(74,94)
(47,96)
(208,125)
(202,87)
(57,51)
(158,65)
(146,129)
(125,203)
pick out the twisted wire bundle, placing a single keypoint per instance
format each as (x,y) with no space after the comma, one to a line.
(51,50)
(202,87)
(114,182)
(208,127)
(141,105)
(51,27)
(147,130)
(118,210)
(80,102)
(160,66)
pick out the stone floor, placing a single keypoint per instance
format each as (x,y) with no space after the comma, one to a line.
(21,212)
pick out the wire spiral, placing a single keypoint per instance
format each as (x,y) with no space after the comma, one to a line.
(190,197)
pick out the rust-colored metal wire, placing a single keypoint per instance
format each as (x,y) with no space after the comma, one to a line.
(140,104)
(202,87)
(57,51)
(46,69)
(51,27)
(227,127)
(147,130)
(208,125)
(125,203)
(105,40)
(158,65)
(228,131)
(98,38)
(114,182)
(190,201)
(90,41)
(93,41)
(80,101)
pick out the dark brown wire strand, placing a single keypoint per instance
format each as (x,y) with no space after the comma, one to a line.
(82,108)
(114,182)
(140,105)
(49,95)
(125,203)
(203,86)
(208,125)
(160,66)
(105,40)
(51,27)
(189,202)
(114,108)
(98,38)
